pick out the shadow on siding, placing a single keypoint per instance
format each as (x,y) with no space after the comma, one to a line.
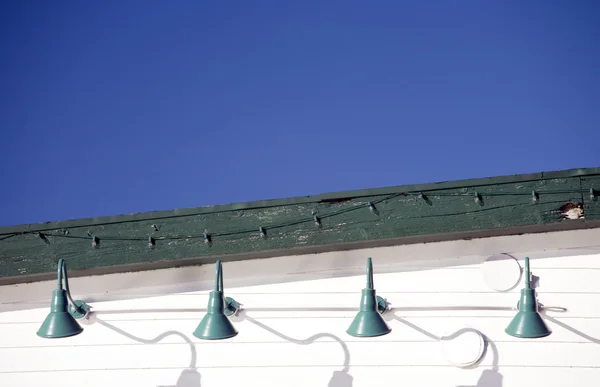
(488,378)
(571,329)
(339,378)
(189,377)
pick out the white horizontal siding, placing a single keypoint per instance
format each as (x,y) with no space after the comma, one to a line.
(250,333)
(365,353)
(325,376)
(277,346)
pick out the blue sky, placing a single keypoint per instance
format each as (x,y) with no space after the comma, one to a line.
(110,107)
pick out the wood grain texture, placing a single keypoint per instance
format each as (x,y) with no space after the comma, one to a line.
(591,206)
(449,208)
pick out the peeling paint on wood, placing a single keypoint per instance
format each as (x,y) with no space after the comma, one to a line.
(591,206)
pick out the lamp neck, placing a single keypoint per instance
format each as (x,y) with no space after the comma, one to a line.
(62,273)
(527,274)
(369,274)
(61,264)
(219,278)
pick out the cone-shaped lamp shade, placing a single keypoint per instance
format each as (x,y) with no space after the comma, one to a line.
(528,323)
(59,323)
(368,322)
(215,325)
(61,320)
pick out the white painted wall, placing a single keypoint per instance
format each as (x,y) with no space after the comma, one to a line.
(285,340)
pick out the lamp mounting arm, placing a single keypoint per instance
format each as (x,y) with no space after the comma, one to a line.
(78,308)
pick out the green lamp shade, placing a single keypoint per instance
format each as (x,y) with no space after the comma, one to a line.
(59,323)
(528,323)
(215,325)
(368,321)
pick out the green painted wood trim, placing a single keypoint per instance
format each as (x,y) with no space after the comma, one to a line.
(264,204)
(450,209)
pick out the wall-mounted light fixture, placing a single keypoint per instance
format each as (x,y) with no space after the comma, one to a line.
(61,319)
(368,322)
(528,323)
(215,325)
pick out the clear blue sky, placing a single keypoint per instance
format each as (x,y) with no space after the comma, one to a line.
(110,107)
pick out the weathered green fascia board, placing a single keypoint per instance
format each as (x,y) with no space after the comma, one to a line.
(419,239)
(158,215)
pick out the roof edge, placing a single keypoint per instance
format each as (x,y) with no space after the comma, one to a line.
(409,240)
(258,204)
